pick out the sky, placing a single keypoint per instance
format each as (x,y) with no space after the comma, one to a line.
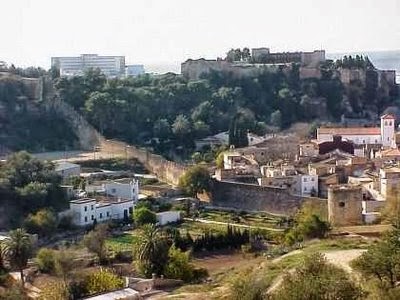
(155,32)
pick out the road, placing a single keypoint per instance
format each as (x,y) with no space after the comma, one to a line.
(73,155)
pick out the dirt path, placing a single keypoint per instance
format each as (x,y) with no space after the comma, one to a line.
(342,258)
(339,258)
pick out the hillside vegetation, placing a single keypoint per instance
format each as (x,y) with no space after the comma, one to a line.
(170,112)
(25,125)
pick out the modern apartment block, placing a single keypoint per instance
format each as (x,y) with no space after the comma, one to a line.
(134,70)
(111,66)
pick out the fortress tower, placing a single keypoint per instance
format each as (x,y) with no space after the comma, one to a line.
(345,205)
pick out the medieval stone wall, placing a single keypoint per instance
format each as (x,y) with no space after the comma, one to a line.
(251,197)
(164,169)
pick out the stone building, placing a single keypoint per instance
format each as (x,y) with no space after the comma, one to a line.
(262,60)
(345,205)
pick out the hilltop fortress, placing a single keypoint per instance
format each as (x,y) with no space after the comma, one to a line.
(261,59)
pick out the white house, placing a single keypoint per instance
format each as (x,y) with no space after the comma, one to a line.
(231,159)
(121,190)
(66,169)
(383,135)
(166,217)
(85,211)
(306,185)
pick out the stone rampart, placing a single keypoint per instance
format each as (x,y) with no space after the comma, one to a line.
(164,169)
(251,197)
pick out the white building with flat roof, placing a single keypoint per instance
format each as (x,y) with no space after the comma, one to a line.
(86,210)
(134,70)
(111,66)
(66,169)
(128,191)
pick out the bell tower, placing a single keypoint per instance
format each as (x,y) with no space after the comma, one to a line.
(387,130)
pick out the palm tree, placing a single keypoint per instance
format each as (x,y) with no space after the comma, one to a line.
(17,250)
(151,250)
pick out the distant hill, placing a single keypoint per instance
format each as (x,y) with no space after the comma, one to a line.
(384,60)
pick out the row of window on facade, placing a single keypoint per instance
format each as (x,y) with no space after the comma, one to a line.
(100,216)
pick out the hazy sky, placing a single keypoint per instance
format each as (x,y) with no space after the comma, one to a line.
(155,31)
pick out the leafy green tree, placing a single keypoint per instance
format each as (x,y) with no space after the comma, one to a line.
(95,241)
(101,106)
(65,263)
(382,260)
(162,129)
(220,160)
(246,54)
(181,128)
(150,251)
(102,281)
(43,222)
(276,118)
(195,180)
(144,215)
(308,225)
(317,279)
(178,266)
(17,249)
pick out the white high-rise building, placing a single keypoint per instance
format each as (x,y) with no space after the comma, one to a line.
(111,66)
(134,70)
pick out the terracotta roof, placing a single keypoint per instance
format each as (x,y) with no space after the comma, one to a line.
(388,116)
(350,131)
(391,152)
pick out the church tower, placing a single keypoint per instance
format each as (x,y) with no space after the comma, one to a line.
(387,130)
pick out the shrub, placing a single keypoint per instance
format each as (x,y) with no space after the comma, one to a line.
(103,281)
(143,216)
(178,266)
(95,241)
(248,286)
(317,279)
(45,258)
(43,222)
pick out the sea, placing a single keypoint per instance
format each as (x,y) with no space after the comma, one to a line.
(384,60)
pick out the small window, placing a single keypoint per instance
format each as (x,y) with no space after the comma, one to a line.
(341,204)
(92,217)
(92,207)
(305,179)
(390,123)
(113,191)
(385,123)
(108,214)
(85,219)
(305,189)
(101,215)
(85,208)
(312,179)
(130,210)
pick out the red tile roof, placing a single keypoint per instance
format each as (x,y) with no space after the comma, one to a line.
(350,130)
(391,152)
(388,116)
